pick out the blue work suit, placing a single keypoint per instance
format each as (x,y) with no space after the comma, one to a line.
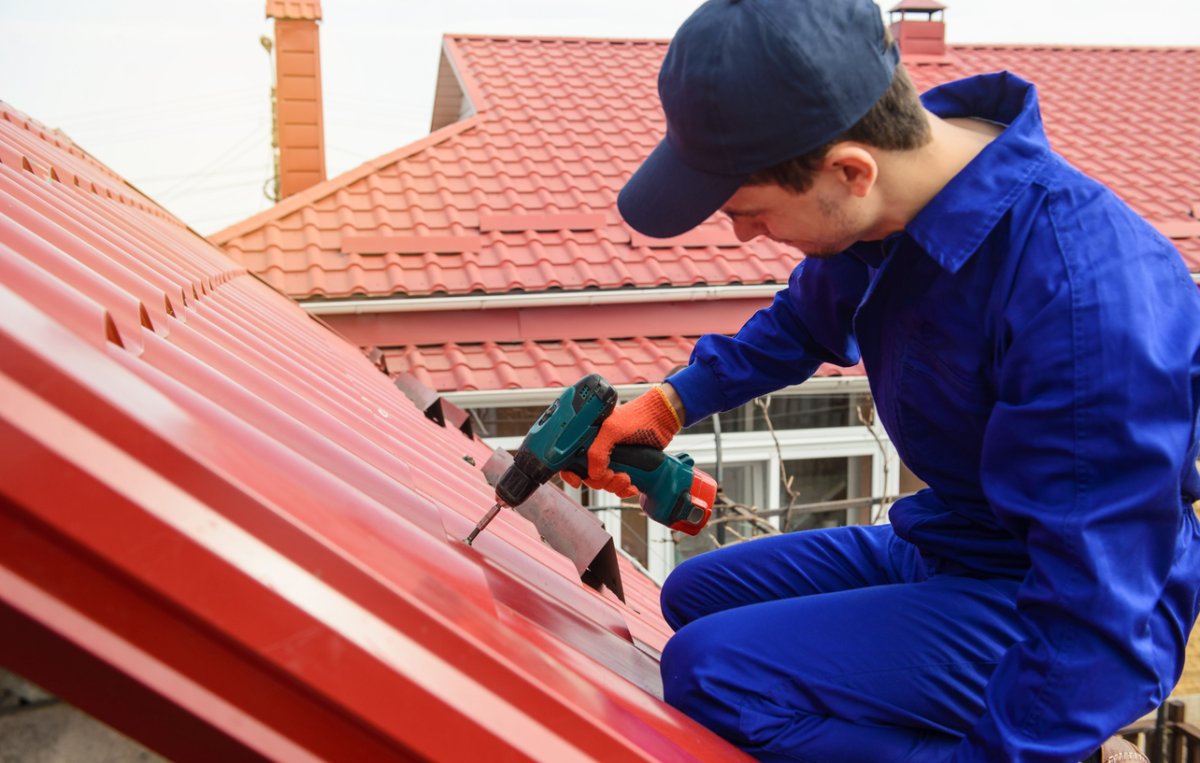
(1033,349)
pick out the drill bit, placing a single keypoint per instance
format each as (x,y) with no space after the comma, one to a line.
(487,518)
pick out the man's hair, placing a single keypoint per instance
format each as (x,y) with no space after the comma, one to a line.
(895,123)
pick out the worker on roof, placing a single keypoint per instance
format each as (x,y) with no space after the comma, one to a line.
(1033,349)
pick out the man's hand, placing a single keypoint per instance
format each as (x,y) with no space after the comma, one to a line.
(651,419)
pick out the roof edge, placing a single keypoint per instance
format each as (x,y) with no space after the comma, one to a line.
(1068,46)
(469,85)
(555,38)
(572,298)
(959,45)
(332,185)
(42,133)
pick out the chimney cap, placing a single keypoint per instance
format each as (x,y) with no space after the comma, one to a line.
(924,6)
(306,10)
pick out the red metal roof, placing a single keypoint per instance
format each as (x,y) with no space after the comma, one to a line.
(559,125)
(226,534)
(532,365)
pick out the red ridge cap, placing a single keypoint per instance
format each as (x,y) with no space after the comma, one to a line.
(544,221)
(1070,46)
(703,236)
(411,244)
(557,38)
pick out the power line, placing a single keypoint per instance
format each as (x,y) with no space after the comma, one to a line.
(165,106)
(207,189)
(236,151)
(181,175)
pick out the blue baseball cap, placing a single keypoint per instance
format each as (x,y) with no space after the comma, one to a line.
(746,85)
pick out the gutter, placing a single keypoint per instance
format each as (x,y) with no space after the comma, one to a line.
(489,398)
(539,299)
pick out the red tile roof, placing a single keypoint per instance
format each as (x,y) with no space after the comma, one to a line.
(226,534)
(559,125)
(518,197)
(1116,113)
(533,365)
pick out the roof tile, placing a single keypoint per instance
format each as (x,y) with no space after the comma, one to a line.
(540,365)
(562,123)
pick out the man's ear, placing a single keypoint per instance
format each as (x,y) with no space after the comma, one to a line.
(853,166)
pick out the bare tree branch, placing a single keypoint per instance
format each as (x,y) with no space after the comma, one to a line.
(763,404)
(866,416)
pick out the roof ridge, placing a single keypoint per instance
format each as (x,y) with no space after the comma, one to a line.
(7,108)
(1070,46)
(556,38)
(120,190)
(316,192)
(334,184)
(971,45)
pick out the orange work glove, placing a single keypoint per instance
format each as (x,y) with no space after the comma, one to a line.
(648,419)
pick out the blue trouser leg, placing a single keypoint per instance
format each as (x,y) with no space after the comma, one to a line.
(833,646)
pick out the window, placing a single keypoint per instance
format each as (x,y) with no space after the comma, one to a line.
(744,484)
(635,531)
(790,412)
(514,421)
(817,491)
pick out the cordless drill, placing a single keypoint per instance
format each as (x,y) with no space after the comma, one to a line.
(673,491)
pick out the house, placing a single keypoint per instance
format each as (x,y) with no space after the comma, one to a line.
(227,535)
(488,259)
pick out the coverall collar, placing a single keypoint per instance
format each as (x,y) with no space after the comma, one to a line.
(951,227)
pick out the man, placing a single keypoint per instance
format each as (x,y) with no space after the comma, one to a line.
(1033,348)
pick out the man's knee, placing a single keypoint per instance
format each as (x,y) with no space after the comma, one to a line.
(708,676)
(681,597)
(695,681)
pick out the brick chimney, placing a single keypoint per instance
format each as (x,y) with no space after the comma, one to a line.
(924,37)
(299,123)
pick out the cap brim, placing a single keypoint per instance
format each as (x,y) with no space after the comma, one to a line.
(666,197)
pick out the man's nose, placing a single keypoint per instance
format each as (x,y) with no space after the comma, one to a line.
(746,228)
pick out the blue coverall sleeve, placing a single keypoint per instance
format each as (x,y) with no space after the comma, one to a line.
(808,323)
(1083,459)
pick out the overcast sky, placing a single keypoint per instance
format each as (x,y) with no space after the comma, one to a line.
(174,95)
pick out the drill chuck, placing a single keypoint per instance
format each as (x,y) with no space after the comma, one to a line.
(526,475)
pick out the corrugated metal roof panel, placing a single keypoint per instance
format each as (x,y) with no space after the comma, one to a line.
(228,535)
